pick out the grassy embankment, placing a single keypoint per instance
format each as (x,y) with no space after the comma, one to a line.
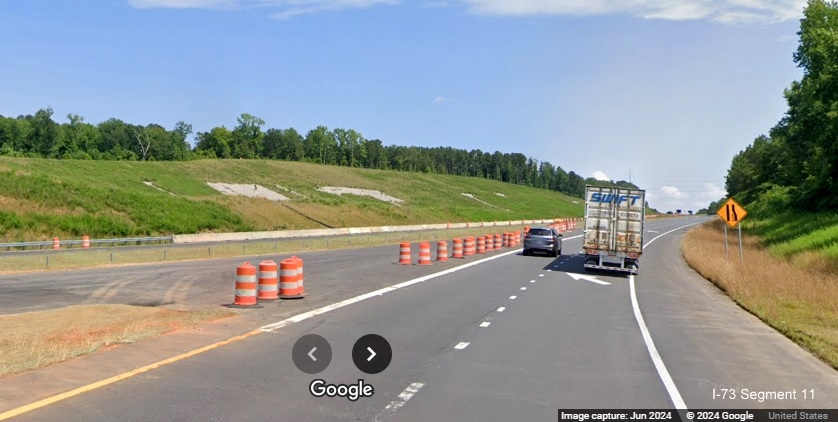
(789,277)
(40,199)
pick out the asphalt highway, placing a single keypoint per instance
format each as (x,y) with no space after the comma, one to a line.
(507,338)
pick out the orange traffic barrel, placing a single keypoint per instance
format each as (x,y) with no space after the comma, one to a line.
(506,240)
(442,251)
(404,253)
(288,288)
(498,240)
(85,242)
(245,293)
(458,248)
(526,229)
(56,244)
(425,253)
(268,287)
(301,289)
(469,249)
(516,238)
(490,243)
(481,244)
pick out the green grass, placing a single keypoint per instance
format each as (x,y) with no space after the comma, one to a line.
(41,198)
(791,233)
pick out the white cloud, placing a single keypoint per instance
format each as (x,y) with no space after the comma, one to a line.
(673,192)
(286,9)
(598,175)
(441,99)
(300,7)
(724,11)
(712,192)
(183,4)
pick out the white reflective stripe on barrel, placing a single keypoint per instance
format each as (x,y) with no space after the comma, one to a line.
(267,274)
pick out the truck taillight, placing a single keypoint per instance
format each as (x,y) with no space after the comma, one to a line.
(631,256)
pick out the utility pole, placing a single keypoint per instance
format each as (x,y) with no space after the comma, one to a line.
(629,175)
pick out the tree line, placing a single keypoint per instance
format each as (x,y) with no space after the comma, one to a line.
(39,135)
(796,163)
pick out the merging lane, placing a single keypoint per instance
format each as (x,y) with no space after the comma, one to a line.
(512,338)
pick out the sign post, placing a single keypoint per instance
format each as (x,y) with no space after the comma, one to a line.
(732,213)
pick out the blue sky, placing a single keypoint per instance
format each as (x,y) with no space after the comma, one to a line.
(666,90)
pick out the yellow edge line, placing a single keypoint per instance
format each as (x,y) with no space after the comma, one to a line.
(50,400)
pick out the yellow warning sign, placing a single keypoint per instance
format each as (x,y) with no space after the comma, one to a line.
(732,213)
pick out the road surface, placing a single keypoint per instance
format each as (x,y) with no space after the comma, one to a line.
(508,338)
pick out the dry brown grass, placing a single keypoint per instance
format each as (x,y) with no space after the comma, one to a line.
(36,339)
(16,204)
(263,214)
(798,297)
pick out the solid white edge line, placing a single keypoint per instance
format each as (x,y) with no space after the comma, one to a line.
(663,373)
(306,315)
(666,233)
(462,345)
(674,395)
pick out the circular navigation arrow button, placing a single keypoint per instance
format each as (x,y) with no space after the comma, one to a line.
(372,354)
(312,353)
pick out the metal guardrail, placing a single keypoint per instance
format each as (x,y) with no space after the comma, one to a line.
(49,243)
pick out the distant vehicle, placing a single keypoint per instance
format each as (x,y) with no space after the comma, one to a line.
(669,213)
(614,220)
(543,239)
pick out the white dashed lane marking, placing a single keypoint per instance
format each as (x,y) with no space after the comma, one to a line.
(501,309)
(485,324)
(462,345)
(396,404)
(523,288)
(513,297)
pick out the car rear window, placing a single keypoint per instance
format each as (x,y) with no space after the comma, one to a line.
(540,232)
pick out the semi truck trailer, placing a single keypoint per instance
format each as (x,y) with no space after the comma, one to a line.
(614,225)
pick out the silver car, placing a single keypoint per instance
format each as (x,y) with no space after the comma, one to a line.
(544,239)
